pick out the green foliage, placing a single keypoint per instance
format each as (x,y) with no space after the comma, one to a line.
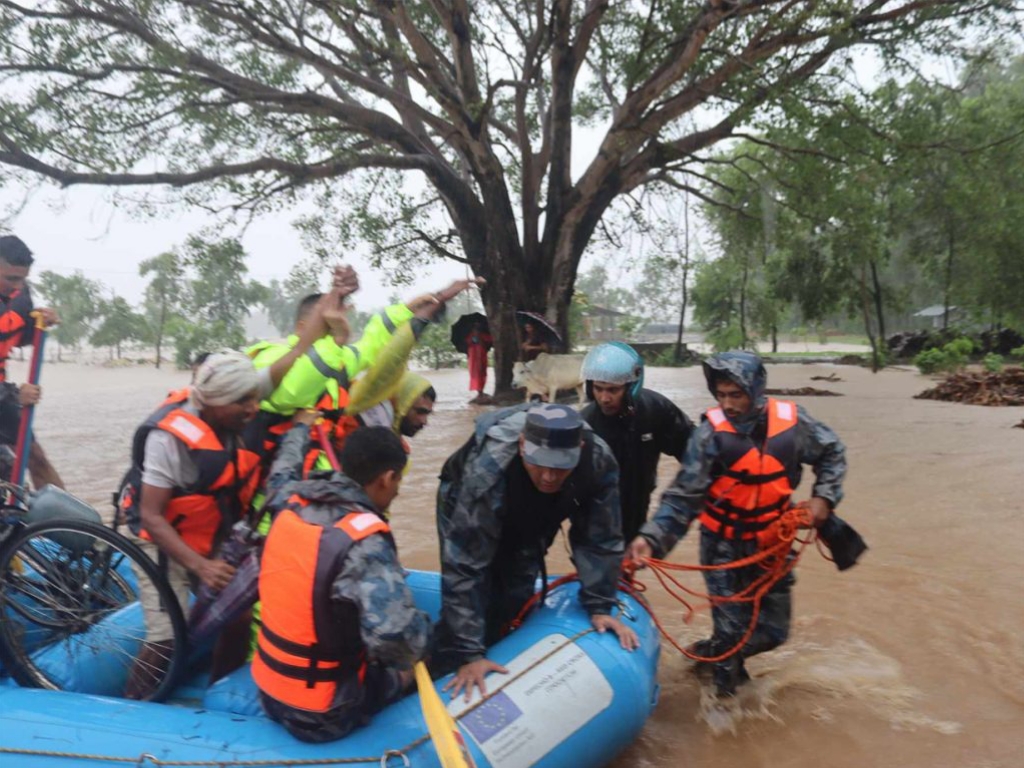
(667,359)
(435,348)
(960,349)
(992,362)
(1017,353)
(931,361)
(950,357)
(79,301)
(726,338)
(199,297)
(120,324)
(878,203)
(219,292)
(283,297)
(217,297)
(192,338)
(162,303)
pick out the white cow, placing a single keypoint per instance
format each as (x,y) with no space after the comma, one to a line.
(546,374)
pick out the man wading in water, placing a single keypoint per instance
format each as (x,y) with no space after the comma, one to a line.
(739,472)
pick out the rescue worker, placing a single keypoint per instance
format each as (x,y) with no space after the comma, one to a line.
(739,473)
(502,499)
(638,424)
(17,329)
(408,410)
(192,477)
(340,632)
(322,377)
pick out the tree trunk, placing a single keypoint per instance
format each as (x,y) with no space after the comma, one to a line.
(879,304)
(775,338)
(949,278)
(865,306)
(678,355)
(504,293)
(160,333)
(743,309)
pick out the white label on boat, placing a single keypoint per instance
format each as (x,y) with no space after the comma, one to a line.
(540,709)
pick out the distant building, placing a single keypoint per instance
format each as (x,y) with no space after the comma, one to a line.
(934,315)
(601,323)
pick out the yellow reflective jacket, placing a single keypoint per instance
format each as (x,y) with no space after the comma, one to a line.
(326,366)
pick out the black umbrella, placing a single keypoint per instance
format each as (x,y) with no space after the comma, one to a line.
(462,327)
(545,331)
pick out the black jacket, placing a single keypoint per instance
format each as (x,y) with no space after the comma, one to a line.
(651,425)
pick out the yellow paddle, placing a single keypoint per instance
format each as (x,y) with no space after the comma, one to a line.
(447,737)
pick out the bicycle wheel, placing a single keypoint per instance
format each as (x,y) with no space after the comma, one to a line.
(71,619)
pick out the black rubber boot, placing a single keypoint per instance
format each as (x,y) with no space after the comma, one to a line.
(702,669)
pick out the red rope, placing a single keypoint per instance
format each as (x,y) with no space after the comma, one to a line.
(780,552)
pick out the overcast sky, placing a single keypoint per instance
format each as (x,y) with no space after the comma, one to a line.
(80,229)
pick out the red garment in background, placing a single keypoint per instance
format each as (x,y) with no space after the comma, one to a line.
(477,344)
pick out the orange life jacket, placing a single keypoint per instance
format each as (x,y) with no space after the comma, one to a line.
(754,488)
(177,396)
(14,326)
(309,645)
(224,486)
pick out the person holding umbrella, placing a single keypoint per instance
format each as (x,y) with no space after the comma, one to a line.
(471,335)
(537,335)
(478,343)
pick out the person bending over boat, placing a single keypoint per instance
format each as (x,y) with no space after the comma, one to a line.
(502,499)
(339,632)
(739,473)
(192,477)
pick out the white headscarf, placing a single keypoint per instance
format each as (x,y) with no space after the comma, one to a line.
(224,377)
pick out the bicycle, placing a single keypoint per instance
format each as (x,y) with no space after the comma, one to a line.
(70,617)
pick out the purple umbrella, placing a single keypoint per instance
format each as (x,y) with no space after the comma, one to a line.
(212,611)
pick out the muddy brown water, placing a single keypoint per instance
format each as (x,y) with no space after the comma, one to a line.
(913,658)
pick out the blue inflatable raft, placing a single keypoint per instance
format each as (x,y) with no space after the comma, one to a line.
(572,697)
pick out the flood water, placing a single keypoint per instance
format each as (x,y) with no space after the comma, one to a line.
(914,658)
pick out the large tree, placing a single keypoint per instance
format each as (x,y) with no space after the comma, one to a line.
(217,298)
(79,301)
(249,102)
(120,324)
(164,295)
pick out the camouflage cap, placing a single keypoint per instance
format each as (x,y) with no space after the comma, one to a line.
(553,434)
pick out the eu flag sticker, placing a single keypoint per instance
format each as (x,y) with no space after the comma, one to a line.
(491,717)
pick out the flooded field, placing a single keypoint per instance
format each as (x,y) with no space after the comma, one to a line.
(914,658)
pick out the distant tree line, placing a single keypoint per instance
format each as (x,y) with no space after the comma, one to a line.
(197,298)
(907,196)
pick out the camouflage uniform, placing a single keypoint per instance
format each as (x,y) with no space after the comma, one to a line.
(489,566)
(816,445)
(394,632)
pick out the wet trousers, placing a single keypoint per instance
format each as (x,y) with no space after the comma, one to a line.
(731,620)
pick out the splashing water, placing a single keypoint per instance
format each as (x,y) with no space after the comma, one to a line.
(851,670)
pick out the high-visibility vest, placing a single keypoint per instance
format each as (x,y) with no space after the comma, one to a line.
(754,488)
(308,644)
